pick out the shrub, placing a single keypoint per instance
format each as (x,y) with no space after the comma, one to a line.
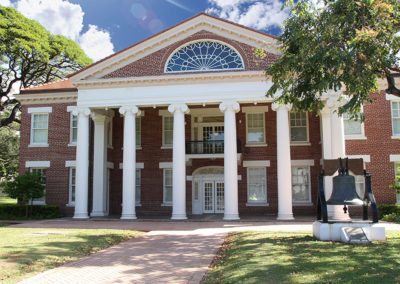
(392,217)
(386,209)
(18,212)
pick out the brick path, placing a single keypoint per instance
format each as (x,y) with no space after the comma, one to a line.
(171,252)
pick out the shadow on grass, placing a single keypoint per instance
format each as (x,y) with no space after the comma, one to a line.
(298,258)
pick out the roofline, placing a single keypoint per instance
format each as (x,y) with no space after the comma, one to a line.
(35,91)
(163,31)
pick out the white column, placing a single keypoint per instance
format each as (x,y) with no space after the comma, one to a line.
(178,162)
(283,160)
(99,165)
(129,162)
(82,164)
(333,147)
(231,210)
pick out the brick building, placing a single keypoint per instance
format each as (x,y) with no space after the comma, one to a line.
(179,124)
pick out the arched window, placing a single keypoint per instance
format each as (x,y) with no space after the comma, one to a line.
(204,56)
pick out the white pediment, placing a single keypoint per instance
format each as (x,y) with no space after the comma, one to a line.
(201,22)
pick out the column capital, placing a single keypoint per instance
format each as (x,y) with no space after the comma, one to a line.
(277,106)
(229,106)
(81,110)
(181,107)
(125,110)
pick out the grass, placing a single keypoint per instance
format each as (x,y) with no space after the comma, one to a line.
(7,200)
(25,252)
(266,257)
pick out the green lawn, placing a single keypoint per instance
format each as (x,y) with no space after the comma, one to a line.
(25,252)
(7,200)
(266,257)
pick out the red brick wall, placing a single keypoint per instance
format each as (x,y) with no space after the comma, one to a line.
(379,144)
(153,64)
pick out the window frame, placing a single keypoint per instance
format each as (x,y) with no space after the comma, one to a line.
(165,202)
(41,144)
(42,200)
(138,187)
(71,128)
(253,143)
(70,201)
(165,145)
(394,135)
(299,143)
(257,202)
(303,202)
(360,136)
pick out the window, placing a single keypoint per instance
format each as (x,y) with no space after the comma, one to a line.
(298,127)
(255,128)
(396,118)
(138,186)
(42,172)
(168,124)
(397,178)
(353,128)
(204,56)
(167,186)
(138,132)
(40,125)
(256,185)
(74,128)
(301,184)
(72,184)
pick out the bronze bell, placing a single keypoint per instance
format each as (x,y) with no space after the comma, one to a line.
(344,191)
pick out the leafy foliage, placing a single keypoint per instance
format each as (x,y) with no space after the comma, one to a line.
(25,187)
(9,151)
(336,45)
(30,55)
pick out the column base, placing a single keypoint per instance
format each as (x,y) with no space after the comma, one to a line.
(98,214)
(81,216)
(231,217)
(179,217)
(285,216)
(128,217)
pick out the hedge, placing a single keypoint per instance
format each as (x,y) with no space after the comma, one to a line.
(18,212)
(386,209)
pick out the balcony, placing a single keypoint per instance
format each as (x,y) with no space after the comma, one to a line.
(208,149)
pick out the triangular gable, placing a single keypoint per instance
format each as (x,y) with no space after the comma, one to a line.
(201,23)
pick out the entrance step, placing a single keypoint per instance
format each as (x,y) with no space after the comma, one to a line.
(354,235)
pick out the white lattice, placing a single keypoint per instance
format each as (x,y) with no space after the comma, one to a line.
(204,56)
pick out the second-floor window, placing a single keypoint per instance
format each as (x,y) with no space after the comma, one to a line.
(298,127)
(40,128)
(255,128)
(396,118)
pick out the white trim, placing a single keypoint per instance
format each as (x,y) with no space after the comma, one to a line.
(299,143)
(256,145)
(40,109)
(48,98)
(356,136)
(164,112)
(254,109)
(392,97)
(261,204)
(200,71)
(71,108)
(165,165)
(204,111)
(37,164)
(163,131)
(70,202)
(394,158)
(72,143)
(366,158)
(38,145)
(110,165)
(31,143)
(138,166)
(70,163)
(299,163)
(258,163)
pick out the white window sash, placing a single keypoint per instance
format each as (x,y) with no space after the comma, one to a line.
(305,127)
(164,142)
(251,183)
(308,186)
(35,129)
(248,115)
(165,186)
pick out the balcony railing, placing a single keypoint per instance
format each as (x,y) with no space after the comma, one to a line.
(208,147)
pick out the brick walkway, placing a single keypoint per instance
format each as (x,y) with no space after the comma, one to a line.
(171,252)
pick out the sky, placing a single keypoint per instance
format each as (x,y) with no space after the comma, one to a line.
(102,27)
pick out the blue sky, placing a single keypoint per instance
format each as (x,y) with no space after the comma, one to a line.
(102,27)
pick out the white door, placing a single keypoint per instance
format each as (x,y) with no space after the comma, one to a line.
(213,193)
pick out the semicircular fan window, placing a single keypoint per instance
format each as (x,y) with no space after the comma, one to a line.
(204,56)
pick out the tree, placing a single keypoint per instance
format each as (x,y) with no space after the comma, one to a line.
(25,188)
(9,151)
(30,55)
(337,45)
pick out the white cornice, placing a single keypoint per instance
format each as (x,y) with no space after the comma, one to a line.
(175,79)
(176,34)
(48,98)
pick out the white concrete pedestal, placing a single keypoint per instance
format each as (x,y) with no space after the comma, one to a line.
(333,231)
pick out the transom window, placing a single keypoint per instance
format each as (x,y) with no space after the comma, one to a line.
(204,56)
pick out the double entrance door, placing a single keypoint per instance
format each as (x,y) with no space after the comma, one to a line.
(213,196)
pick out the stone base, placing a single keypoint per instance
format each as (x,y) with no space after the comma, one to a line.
(334,232)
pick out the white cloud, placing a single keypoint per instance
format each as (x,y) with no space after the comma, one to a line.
(65,18)
(96,43)
(5,3)
(252,13)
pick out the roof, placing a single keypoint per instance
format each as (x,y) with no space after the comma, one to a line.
(57,86)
